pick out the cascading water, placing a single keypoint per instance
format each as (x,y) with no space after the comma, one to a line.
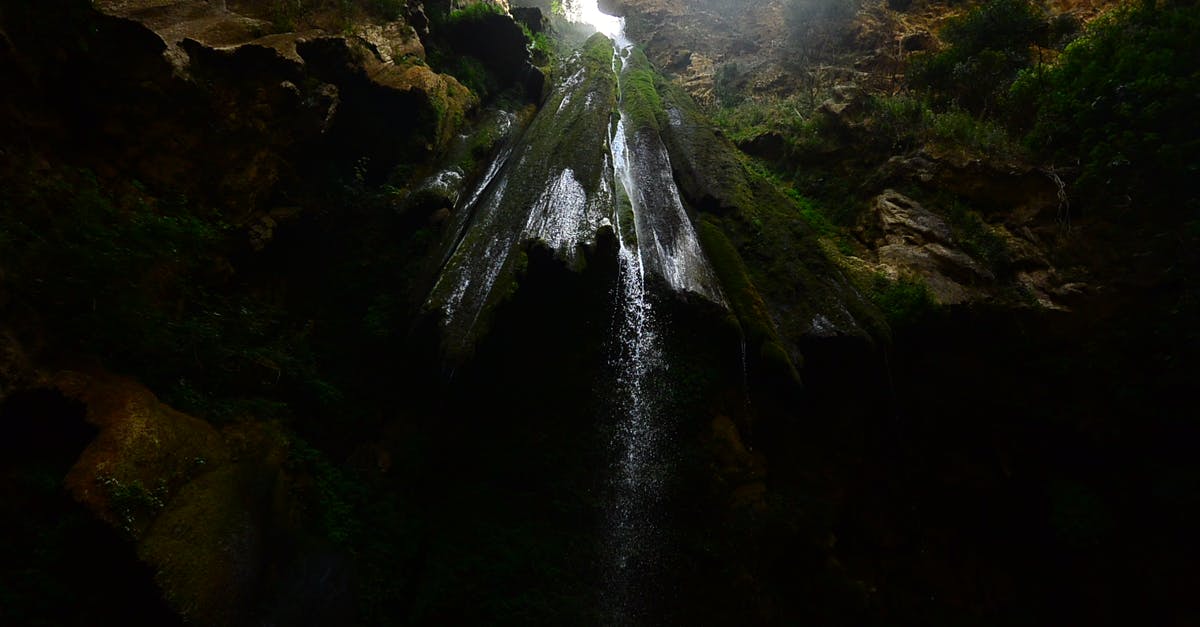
(556,188)
(657,242)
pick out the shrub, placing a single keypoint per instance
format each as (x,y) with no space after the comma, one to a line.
(1122,101)
(986,49)
(725,85)
(903,301)
(477,11)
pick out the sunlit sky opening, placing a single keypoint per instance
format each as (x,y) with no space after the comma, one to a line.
(587,12)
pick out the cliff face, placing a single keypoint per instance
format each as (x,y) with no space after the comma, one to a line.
(773,44)
(166,167)
(162,91)
(365,270)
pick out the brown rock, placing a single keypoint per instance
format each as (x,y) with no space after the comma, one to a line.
(145,451)
(904,220)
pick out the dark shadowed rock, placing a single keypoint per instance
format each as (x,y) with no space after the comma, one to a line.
(532,18)
(613,7)
(918,41)
(498,42)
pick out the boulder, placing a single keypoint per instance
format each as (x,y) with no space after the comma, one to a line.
(904,220)
(911,240)
(212,512)
(1020,191)
(532,18)
(613,7)
(144,454)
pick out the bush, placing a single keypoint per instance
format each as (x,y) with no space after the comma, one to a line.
(1122,101)
(725,85)
(477,11)
(987,47)
(903,301)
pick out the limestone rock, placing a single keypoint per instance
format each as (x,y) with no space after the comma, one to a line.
(145,451)
(1017,189)
(211,512)
(911,240)
(906,221)
(391,43)
(218,87)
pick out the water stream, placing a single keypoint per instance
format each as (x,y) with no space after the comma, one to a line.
(564,202)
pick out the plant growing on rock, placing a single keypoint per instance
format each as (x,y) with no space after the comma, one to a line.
(987,47)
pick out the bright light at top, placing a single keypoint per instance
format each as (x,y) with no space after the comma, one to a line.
(586,12)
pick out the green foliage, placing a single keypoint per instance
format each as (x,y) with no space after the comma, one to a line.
(976,238)
(560,7)
(749,118)
(972,135)
(141,281)
(903,301)
(473,74)
(906,122)
(900,121)
(725,85)
(1122,100)
(988,46)
(335,495)
(476,11)
(540,45)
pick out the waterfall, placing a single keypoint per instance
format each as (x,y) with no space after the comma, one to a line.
(656,243)
(631,546)
(573,174)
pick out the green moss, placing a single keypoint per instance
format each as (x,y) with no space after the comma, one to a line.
(598,51)
(903,301)
(977,238)
(739,289)
(335,495)
(774,230)
(640,101)
(475,12)
(776,359)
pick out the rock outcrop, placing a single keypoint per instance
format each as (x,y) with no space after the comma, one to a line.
(911,240)
(164,91)
(212,512)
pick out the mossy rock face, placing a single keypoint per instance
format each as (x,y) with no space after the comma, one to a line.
(806,295)
(639,97)
(144,454)
(212,513)
(555,188)
(388,113)
(488,33)
(207,547)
